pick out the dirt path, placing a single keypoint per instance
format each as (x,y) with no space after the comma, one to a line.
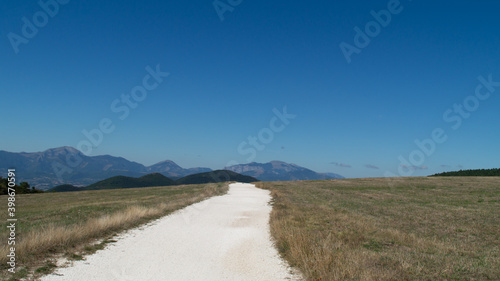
(222,238)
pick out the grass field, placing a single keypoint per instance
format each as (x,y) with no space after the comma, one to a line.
(413,229)
(66,222)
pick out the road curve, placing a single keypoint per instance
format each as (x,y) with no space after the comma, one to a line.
(222,238)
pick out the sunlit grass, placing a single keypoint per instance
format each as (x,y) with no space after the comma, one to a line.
(368,229)
(52,223)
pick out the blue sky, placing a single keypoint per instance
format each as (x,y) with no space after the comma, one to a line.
(228,77)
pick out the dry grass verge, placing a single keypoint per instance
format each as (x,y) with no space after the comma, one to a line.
(65,222)
(364,229)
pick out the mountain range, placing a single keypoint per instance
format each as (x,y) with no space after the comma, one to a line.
(67,165)
(280,171)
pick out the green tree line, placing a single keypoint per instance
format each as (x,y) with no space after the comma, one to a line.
(471,173)
(21,188)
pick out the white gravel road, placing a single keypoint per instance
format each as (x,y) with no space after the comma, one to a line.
(222,238)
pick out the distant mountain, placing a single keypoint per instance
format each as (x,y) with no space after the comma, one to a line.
(66,165)
(41,169)
(155,179)
(280,171)
(174,171)
(215,176)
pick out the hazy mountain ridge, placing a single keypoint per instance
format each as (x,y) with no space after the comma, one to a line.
(280,171)
(40,168)
(172,170)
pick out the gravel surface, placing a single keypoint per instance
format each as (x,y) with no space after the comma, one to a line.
(222,238)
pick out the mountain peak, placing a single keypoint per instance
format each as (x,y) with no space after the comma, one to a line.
(170,168)
(62,149)
(165,166)
(279,171)
(166,162)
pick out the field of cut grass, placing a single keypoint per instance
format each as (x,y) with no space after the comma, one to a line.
(66,222)
(379,229)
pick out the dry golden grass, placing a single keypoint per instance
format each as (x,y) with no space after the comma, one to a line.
(397,229)
(53,223)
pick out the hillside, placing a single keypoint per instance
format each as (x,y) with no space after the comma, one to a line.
(471,173)
(215,176)
(155,179)
(65,188)
(117,182)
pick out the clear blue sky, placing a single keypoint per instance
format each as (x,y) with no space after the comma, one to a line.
(227,76)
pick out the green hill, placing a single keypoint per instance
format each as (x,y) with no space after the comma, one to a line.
(471,173)
(65,188)
(215,176)
(155,179)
